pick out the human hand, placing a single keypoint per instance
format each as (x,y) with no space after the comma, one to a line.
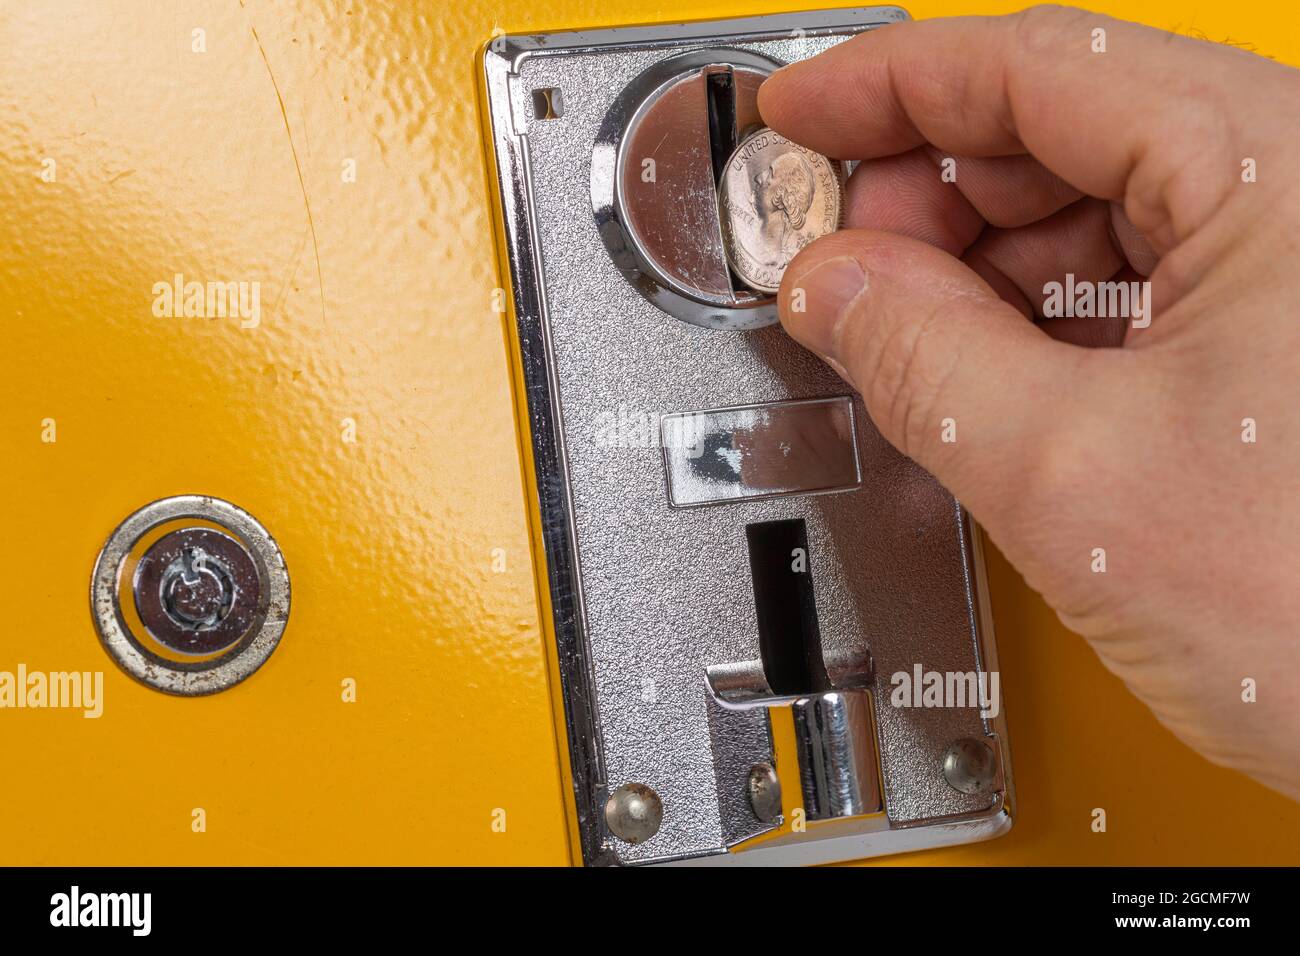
(1107,165)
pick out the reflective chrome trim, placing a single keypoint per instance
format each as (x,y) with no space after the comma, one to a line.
(803,446)
(848,838)
(740,309)
(838,759)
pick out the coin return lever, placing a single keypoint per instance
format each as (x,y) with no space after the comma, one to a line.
(737,565)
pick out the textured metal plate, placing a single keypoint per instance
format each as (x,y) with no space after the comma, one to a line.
(647,596)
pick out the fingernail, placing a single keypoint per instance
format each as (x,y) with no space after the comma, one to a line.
(828,288)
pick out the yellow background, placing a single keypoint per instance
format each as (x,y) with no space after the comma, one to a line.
(376,307)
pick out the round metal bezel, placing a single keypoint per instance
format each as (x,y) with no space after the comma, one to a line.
(200,677)
(607,166)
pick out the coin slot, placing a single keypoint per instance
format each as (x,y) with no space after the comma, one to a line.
(721,90)
(720,95)
(788,636)
(654,178)
(548,103)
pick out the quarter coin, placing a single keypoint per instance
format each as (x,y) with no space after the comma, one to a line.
(774,198)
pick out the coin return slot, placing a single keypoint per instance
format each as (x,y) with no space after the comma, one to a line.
(789,639)
(548,103)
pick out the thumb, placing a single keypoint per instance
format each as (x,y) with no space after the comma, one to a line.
(952,376)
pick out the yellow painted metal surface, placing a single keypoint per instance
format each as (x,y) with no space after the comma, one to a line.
(133,148)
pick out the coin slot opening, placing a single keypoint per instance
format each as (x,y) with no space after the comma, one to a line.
(654,177)
(721,96)
(788,636)
(548,103)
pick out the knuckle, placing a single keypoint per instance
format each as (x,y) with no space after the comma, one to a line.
(1040,29)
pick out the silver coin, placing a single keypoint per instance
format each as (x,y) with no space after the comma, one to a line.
(774,198)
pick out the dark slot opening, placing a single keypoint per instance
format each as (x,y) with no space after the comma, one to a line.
(548,103)
(721,89)
(788,637)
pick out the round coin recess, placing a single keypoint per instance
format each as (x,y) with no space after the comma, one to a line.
(774,198)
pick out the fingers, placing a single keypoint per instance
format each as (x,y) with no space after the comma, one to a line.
(913,195)
(1006,191)
(1018,263)
(1136,250)
(905,195)
(936,355)
(1030,83)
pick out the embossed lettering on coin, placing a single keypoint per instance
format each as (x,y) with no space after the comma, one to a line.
(775,197)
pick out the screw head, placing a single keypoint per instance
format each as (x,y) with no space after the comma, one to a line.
(633,813)
(969,765)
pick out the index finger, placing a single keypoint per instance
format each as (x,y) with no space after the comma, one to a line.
(1130,113)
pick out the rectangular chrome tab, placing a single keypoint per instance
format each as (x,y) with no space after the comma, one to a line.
(760,451)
